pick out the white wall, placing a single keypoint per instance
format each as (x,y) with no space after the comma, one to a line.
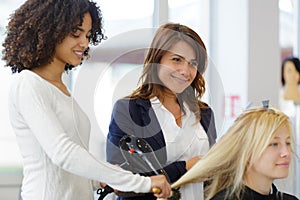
(229,48)
(264,51)
(245,52)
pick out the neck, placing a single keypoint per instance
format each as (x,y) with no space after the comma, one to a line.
(170,102)
(168,96)
(291,92)
(50,73)
(258,183)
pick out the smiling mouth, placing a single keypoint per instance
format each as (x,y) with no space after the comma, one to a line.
(283,164)
(79,53)
(179,79)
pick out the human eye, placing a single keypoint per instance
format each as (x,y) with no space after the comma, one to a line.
(273,144)
(89,37)
(176,59)
(75,32)
(194,63)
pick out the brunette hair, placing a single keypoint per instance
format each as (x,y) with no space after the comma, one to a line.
(165,38)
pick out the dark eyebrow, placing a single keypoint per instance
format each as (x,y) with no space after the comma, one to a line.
(174,54)
(81,29)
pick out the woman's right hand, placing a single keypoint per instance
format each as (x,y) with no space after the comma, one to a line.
(191,162)
(160,182)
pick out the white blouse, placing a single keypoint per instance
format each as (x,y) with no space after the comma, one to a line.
(182,143)
(53,136)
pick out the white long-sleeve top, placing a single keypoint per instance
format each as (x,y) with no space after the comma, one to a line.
(53,136)
(182,143)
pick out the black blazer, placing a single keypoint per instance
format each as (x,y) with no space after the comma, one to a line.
(136,117)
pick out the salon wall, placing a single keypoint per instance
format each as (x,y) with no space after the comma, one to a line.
(244,59)
(246,54)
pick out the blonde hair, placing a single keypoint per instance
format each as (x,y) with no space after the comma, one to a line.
(225,165)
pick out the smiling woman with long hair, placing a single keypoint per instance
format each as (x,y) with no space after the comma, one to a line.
(256,150)
(166,109)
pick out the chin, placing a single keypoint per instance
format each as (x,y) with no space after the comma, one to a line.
(75,62)
(178,91)
(282,175)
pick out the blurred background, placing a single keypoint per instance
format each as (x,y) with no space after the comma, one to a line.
(246,42)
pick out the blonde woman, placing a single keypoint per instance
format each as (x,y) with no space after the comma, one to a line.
(255,151)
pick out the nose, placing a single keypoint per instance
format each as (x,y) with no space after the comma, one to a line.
(84,42)
(184,68)
(285,151)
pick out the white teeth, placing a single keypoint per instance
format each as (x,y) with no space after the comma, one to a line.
(79,53)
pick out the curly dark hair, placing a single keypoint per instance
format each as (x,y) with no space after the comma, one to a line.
(39,25)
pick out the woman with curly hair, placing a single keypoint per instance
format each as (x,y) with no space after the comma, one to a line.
(44,39)
(256,150)
(166,109)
